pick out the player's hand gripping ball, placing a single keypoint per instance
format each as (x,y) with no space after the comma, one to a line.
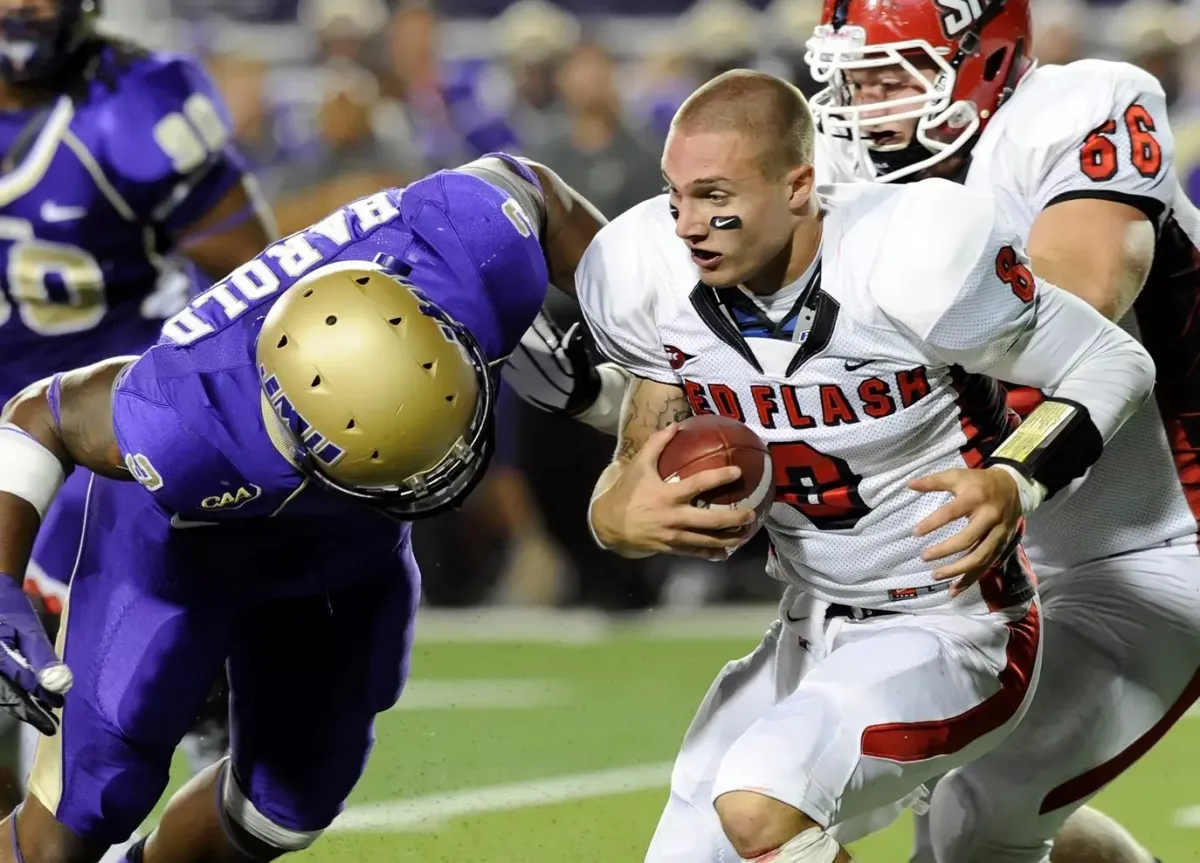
(710,441)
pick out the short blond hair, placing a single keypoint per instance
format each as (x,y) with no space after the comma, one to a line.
(767,108)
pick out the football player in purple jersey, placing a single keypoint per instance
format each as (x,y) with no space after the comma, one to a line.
(112,160)
(254,476)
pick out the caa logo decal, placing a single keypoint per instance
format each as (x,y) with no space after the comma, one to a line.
(957,16)
(677,358)
(232,500)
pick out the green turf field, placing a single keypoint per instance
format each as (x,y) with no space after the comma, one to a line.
(558,750)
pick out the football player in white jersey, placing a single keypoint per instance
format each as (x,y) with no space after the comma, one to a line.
(1079,158)
(852,329)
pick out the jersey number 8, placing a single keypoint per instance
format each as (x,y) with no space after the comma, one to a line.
(30,264)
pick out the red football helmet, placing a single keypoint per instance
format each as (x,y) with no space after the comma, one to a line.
(977,51)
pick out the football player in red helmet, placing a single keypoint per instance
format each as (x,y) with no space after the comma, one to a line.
(910,84)
(1079,159)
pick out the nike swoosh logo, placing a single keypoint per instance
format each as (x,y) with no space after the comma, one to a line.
(853,366)
(724,223)
(52,212)
(791,619)
(183,524)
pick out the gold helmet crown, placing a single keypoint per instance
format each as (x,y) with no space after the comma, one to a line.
(375,390)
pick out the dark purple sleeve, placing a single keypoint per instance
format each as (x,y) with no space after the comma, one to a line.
(162,453)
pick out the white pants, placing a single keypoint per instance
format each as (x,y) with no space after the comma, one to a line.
(1122,664)
(839,718)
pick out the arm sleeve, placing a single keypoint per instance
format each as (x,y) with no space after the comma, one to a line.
(171,150)
(1110,141)
(1077,354)
(616,283)
(1004,322)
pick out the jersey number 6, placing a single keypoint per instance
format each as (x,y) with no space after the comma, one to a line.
(1098,156)
(821,487)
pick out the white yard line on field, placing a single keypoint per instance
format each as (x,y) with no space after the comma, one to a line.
(1188,818)
(413,814)
(549,626)
(483,694)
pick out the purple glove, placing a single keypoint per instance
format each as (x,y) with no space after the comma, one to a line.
(33,680)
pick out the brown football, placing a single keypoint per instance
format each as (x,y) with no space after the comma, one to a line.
(710,441)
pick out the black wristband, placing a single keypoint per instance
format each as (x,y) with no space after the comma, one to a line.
(1061,454)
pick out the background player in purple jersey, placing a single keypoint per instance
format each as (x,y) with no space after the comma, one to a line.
(284,429)
(111,159)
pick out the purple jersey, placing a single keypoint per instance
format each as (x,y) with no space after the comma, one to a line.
(101,182)
(189,414)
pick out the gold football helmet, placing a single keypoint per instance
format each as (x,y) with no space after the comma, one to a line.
(384,396)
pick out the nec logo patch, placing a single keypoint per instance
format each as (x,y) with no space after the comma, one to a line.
(322,449)
(677,358)
(232,500)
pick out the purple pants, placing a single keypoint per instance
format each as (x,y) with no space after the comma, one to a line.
(57,542)
(313,615)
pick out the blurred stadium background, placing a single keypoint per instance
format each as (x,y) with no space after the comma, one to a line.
(552,683)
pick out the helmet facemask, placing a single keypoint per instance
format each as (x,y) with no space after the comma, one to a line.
(944,127)
(34,48)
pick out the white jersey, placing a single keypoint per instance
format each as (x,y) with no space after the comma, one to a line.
(1097,128)
(921,291)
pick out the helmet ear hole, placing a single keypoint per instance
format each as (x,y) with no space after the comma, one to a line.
(282,342)
(994,64)
(363,280)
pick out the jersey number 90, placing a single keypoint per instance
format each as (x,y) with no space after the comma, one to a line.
(33,265)
(192,135)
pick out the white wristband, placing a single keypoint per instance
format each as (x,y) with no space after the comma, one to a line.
(27,469)
(1032,492)
(604,413)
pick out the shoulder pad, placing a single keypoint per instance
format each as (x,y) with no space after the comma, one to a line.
(1060,105)
(937,233)
(166,120)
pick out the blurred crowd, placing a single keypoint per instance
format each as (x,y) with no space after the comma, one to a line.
(332,99)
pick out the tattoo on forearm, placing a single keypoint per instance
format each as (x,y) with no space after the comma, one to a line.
(643,420)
